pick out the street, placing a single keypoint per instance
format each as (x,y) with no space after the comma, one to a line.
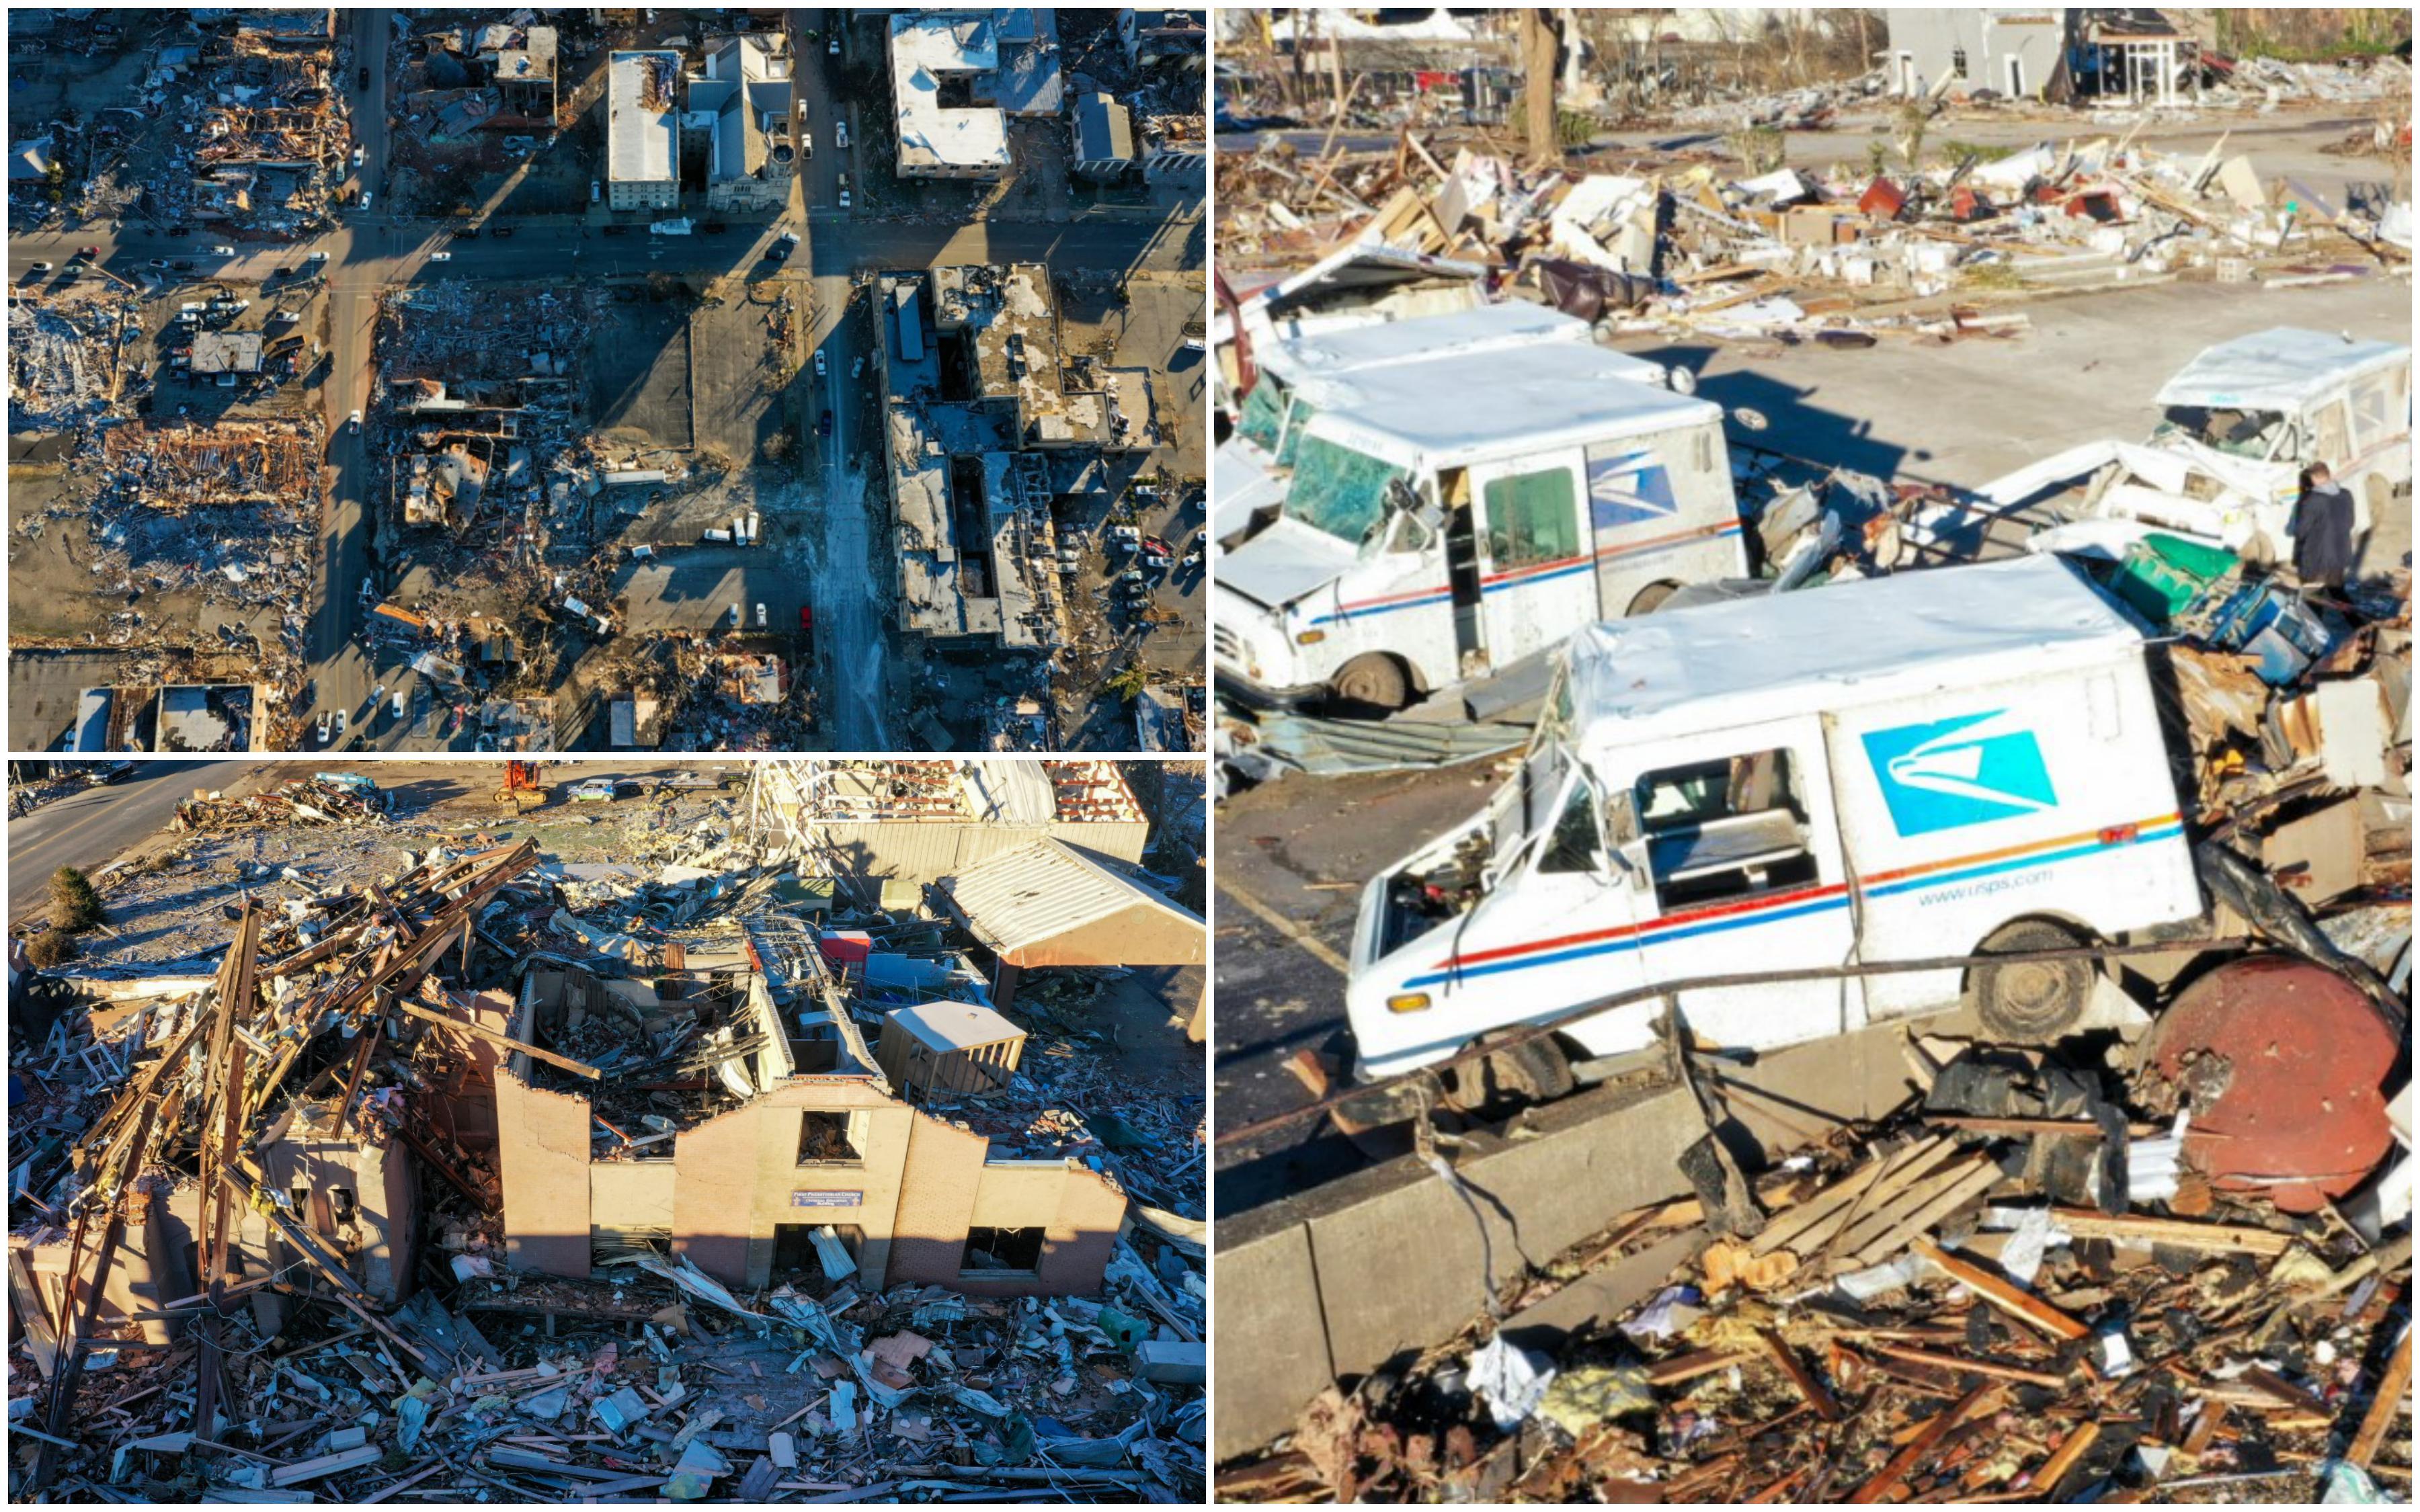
(372,251)
(89,829)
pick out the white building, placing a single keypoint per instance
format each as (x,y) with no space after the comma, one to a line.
(739,115)
(643,131)
(943,132)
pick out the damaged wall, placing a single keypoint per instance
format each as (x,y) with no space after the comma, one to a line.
(951,1188)
(740,1179)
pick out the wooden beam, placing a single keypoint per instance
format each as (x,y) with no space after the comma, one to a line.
(1919,1447)
(2232,1238)
(485,1033)
(2002,1293)
(1800,1376)
(1980,1367)
(2384,1407)
(2074,1449)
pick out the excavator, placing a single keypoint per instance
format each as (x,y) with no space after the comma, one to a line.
(522,788)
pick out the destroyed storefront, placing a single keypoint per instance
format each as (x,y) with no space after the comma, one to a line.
(760,1146)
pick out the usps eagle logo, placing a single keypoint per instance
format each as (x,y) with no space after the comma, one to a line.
(1628,489)
(1953,773)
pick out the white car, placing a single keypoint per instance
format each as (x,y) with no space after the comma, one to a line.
(843,191)
(441,257)
(366,199)
(357,155)
(840,134)
(40,268)
(322,731)
(819,361)
(317,257)
(354,424)
(221,251)
(342,720)
(596,190)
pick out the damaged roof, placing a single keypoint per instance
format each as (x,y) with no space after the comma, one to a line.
(2281,368)
(1044,905)
(1784,653)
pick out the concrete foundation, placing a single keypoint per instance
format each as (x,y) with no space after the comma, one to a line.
(1334,1283)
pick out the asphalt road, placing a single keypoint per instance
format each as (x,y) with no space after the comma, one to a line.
(94,826)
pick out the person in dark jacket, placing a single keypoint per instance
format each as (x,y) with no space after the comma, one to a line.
(2324,543)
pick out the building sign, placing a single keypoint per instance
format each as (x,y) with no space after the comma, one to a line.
(827,1199)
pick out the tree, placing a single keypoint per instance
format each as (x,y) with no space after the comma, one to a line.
(74,907)
(50,947)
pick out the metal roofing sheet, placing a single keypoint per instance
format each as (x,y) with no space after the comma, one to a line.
(1027,897)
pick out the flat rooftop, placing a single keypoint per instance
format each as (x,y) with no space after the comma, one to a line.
(1473,401)
(643,131)
(926,48)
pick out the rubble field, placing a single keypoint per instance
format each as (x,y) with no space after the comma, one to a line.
(335,1300)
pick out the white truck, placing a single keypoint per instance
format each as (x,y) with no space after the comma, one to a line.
(2238,425)
(1943,763)
(1448,520)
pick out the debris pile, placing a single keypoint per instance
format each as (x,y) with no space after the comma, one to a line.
(2020,1287)
(329,799)
(350,1339)
(1684,244)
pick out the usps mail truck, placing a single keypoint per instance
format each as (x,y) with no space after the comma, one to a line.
(1448,520)
(1939,764)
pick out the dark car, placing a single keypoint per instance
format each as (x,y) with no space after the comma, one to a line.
(501,231)
(281,272)
(823,426)
(183,265)
(362,77)
(615,230)
(180,230)
(469,232)
(713,228)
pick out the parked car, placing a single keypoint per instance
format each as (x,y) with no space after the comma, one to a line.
(823,426)
(467,233)
(819,361)
(39,268)
(322,731)
(441,257)
(782,246)
(843,191)
(316,258)
(617,230)
(366,199)
(596,190)
(89,254)
(834,46)
(601,789)
(222,250)
(354,424)
(840,134)
(501,231)
(362,77)
(344,719)
(713,228)
(281,273)
(359,153)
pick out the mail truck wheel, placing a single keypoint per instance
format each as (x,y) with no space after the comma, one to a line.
(1536,1072)
(2029,1002)
(1374,681)
(1650,598)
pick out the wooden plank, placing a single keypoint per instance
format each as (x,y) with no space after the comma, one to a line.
(2392,1388)
(1789,1224)
(448,1020)
(1919,1447)
(1908,1207)
(1696,1363)
(326,1465)
(2181,1232)
(1800,1376)
(1980,1367)
(1884,1245)
(431,1468)
(2002,1293)
(2073,1450)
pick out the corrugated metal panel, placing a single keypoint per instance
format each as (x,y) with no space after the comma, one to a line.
(1021,900)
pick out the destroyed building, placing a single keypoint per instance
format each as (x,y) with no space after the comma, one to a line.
(643,131)
(492,1090)
(988,422)
(909,822)
(270,127)
(945,127)
(523,70)
(737,121)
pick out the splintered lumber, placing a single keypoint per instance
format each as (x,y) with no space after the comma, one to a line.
(1925,1441)
(2383,1408)
(1694,1364)
(1808,1215)
(2071,1451)
(2002,1293)
(1800,1376)
(1958,1364)
(1869,1246)
(326,1465)
(448,1020)
(2181,1232)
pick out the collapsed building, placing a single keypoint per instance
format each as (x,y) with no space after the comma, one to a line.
(271,133)
(989,424)
(495,1084)
(957,79)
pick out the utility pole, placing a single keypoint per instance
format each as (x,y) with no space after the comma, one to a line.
(1538,79)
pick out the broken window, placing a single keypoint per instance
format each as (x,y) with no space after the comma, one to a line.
(1532,519)
(825,1139)
(1001,1252)
(1339,491)
(1725,828)
(2252,433)
(1958,63)
(1263,421)
(1574,845)
(2376,416)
